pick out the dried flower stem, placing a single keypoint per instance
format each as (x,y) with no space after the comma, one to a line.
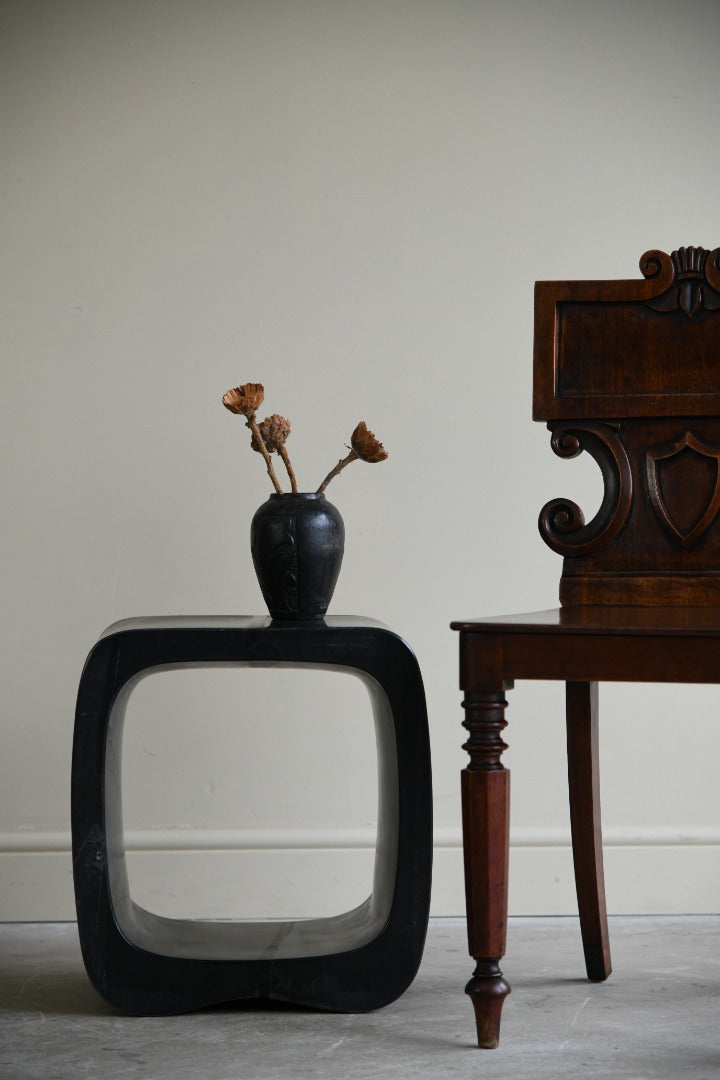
(252,424)
(290,471)
(352,456)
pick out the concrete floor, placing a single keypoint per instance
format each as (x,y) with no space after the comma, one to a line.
(657,1017)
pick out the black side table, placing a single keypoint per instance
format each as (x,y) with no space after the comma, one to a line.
(145,963)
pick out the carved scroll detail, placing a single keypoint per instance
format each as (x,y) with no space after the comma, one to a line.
(658,265)
(694,279)
(561,521)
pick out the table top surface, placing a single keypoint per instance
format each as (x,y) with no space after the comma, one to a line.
(242,622)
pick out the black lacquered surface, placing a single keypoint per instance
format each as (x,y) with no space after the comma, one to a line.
(359,960)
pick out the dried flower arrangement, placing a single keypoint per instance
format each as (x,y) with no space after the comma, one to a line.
(270,435)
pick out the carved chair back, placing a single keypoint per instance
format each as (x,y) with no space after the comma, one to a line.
(630,372)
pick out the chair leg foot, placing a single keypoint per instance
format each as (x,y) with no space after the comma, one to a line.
(487,990)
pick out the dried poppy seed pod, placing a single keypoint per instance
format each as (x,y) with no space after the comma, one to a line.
(270,437)
(274,431)
(365,445)
(244,400)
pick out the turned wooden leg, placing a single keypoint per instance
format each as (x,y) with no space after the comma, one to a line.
(486,820)
(584,787)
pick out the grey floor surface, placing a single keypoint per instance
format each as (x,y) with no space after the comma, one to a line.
(657,1017)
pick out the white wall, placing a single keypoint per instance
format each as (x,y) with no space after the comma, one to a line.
(349,202)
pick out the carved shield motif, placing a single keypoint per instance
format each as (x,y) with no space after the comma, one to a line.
(684,487)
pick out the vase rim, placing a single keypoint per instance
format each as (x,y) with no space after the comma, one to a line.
(297,495)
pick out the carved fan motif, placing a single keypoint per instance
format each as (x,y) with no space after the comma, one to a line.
(696,280)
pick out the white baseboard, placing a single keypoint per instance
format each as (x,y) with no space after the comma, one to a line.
(253,873)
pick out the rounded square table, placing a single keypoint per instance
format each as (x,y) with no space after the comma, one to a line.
(146,963)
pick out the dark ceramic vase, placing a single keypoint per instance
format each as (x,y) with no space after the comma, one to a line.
(297,543)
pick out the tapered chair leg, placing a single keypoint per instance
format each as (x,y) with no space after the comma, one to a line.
(585,821)
(486,819)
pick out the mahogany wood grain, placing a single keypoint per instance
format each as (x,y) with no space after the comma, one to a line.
(486,823)
(629,372)
(584,792)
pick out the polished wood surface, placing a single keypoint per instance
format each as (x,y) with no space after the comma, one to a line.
(629,372)
(584,789)
(610,349)
(590,619)
(486,828)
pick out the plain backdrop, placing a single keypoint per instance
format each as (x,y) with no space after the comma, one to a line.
(349,202)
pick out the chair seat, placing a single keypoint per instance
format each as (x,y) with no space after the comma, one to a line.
(600,619)
(599,643)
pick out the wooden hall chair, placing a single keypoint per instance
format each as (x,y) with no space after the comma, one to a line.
(630,372)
